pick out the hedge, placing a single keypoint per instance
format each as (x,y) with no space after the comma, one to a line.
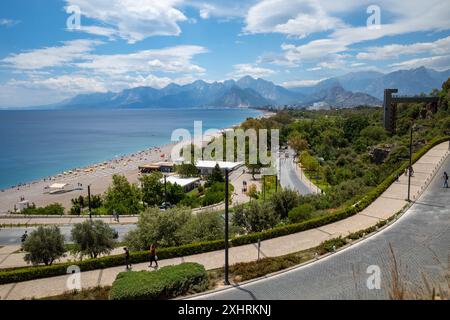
(30,273)
(165,283)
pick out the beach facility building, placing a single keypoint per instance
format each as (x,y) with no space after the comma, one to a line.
(188,184)
(206,166)
(22,205)
(165,167)
(59,188)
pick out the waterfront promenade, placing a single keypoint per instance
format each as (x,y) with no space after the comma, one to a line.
(387,205)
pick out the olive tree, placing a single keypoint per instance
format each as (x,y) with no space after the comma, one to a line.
(255,216)
(44,245)
(284,201)
(93,238)
(157,226)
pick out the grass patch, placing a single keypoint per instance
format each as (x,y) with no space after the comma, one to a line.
(98,293)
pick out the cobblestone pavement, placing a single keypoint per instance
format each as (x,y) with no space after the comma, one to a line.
(420,241)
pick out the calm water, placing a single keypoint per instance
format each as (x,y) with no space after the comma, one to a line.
(37,144)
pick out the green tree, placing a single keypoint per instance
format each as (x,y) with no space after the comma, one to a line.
(123,197)
(157,226)
(175,193)
(297,143)
(152,188)
(353,126)
(187,170)
(284,201)
(205,226)
(255,216)
(252,192)
(301,213)
(216,175)
(93,238)
(44,245)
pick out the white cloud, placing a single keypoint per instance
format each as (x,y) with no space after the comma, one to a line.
(8,22)
(168,60)
(134,20)
(439,63)
(68,84)
(48,57)
(297,18)
(99,31)
(300,83)
(402,17)
(245,69)
(394,51)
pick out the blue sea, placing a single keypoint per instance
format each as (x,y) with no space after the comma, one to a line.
(39,143)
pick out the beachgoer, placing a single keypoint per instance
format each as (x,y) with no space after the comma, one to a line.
(153,256)
(445,180)
(127,258)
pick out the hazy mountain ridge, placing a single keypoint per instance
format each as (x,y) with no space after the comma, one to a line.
(409,82)
(352,89)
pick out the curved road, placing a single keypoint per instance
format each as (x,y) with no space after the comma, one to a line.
(289,178)
(421,243)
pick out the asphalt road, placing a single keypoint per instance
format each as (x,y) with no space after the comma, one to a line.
(421,243)
(12,236)
(289,178)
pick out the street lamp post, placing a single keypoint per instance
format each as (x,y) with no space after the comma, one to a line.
(410,163)
(165,189)
(227,282)
(89,201)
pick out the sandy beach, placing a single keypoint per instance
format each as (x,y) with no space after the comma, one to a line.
(98,176)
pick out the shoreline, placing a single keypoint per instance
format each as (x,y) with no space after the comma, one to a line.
(98,175)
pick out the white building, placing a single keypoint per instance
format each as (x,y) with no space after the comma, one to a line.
(206,166)
(59,188)
(187,184)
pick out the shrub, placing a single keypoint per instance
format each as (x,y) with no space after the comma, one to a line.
(156,226)
(44,245)
(255,216)
(301,213)
(165,283)
(203,226)
(93,238)
(54,209)
(331,245)
(284,201)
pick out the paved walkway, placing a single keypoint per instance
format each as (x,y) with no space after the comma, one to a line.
(421,243)
(389,203)
(236,179)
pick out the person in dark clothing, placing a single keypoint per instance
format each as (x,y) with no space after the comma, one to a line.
(153,256)
(127,258)
(445,180)
(24,238)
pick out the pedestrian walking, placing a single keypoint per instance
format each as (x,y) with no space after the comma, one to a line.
(127,258)
(24,238)
(445,180)
(411,171)
(153,256)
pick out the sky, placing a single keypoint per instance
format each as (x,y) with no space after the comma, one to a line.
(55,49)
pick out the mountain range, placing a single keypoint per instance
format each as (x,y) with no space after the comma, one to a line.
(352,89)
